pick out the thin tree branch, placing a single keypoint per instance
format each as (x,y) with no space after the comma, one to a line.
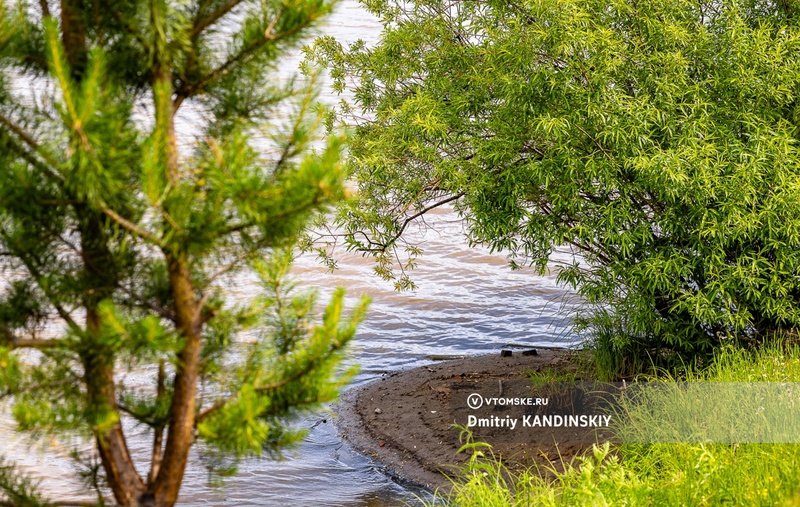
(190,89)
(383,246)
(228,268)
(14,342)
(38,344)
(158,433)
(596,143)
(238,228)
(38,62)
(132,30)
(62,312)
(431,186)
(31,142)
(147,303)
(206,21)
(131,227)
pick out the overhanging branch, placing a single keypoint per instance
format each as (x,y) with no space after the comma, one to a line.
(381,247)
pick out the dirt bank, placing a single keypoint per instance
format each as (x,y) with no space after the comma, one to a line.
(404,420)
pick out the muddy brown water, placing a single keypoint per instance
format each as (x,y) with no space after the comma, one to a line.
(468,302)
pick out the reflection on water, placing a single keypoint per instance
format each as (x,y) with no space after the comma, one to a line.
(468,302)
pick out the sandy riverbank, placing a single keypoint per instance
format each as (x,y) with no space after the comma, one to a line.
(404,419)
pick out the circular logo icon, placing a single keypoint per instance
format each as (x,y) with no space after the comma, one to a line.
(474,401)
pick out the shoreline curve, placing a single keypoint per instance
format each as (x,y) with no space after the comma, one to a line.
(403,420)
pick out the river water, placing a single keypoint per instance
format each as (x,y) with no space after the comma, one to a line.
(467,302)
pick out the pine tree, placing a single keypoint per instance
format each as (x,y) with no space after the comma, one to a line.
(118,233)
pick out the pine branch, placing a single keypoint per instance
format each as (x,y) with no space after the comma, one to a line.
(294,144)
(229,267)
(38,344)
(9,339)
(140,300)
(37,275)
(191,89)
(125,409)
(171,221)
(206,21)
(131,30)
(49,167)
(18,488)
(237,228)
(60,66)
(280,216)
(200,24)
(131,227)
(312,363)
(158,432)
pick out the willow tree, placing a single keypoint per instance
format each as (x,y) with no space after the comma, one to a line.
(118,234)
(658,140)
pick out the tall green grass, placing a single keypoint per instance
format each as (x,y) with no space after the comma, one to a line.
(655,474)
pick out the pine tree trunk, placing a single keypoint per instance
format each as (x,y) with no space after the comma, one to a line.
(180,434)
(98,363)
(120,470)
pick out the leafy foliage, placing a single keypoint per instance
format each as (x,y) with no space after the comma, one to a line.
(656,140)
(150,161)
